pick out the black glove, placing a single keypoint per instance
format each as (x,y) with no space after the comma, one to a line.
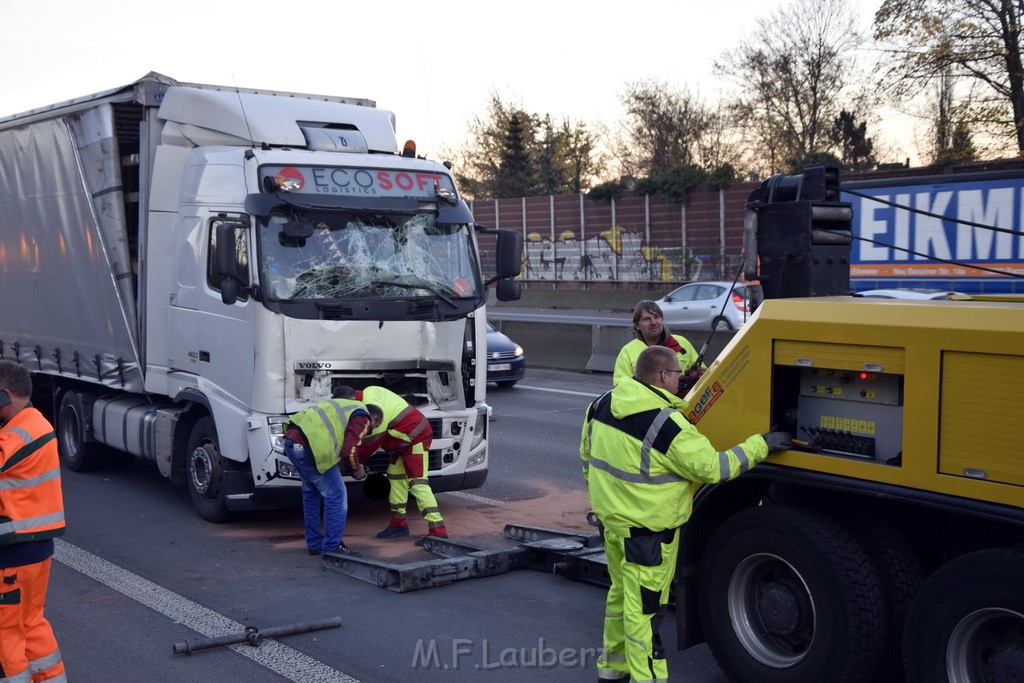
(778,441)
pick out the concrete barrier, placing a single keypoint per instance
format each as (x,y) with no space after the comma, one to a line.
(587,347)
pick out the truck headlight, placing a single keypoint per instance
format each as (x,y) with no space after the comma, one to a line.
(277,433)
(479,428)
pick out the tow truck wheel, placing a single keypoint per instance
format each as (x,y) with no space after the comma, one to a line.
(967,622)
(204,472)
(788,594)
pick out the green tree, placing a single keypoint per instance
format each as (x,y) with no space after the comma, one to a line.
(515,176)
(975,40)
(851,143)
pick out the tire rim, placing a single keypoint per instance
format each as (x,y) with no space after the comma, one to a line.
(771,610)
(201,469)
(979,640)
(69,431)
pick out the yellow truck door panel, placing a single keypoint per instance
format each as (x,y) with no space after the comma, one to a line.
(981,426)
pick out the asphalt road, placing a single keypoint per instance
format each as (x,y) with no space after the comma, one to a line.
(139,571)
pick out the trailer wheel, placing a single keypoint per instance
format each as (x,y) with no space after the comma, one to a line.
(77,454)
(967,622)
(204,472)
(788,594)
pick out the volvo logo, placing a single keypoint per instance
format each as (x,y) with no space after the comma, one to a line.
(313,365)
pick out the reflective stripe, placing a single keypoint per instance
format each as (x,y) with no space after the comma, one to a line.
(6,484)
(398,477)
(400,417)
(420,481)
(45,662)
(25,436)
(642,478)
(23,677)
(427,511)
(31,522)
(649,438)
(419,428)
(741,455)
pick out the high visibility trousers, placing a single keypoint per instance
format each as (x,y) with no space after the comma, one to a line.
(28,650)
(408,475)
(641,570)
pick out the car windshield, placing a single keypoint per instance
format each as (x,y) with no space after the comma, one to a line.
(367,255)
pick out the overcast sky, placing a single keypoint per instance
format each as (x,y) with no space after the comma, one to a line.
(432,63)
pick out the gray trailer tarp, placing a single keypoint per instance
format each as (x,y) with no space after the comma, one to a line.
(65,263)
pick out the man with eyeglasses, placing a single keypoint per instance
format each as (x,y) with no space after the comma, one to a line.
(643,461)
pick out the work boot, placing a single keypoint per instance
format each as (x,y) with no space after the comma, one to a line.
(344,550)
(394,532)
(436,532)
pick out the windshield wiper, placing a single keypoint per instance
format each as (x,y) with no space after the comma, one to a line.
(433,290)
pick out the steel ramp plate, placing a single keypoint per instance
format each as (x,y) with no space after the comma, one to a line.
(532,534)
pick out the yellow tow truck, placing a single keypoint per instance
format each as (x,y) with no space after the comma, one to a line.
(888,545)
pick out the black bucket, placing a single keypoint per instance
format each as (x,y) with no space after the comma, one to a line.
(376,486)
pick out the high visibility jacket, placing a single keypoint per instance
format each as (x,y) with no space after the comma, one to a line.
(625,362)
(323,425)
(401,426)
(643,459)
(31,503)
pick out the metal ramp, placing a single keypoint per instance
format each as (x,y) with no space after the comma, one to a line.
(576,555)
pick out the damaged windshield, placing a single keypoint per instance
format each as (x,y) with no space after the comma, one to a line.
(363,254)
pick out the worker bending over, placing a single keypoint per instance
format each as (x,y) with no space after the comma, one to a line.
(403,432)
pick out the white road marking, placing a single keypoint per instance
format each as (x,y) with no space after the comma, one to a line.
(290,663)
(558,391)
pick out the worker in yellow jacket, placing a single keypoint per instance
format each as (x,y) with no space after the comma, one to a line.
(642,459)
(649,330)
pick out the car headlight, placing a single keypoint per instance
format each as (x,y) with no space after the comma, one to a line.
(519,350)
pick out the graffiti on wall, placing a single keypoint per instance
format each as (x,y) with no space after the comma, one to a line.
(613,255)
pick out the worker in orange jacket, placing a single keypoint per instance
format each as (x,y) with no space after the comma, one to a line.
(31,515)
(404,432)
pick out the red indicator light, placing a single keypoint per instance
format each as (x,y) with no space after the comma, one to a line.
(863,375)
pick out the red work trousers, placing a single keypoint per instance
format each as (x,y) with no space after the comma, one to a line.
(28,650)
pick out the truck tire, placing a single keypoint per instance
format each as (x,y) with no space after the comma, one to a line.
(789,594)
(204,472)
(76,453)
(901,574)
(967,621)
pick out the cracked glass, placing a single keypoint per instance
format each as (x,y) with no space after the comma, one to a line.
(367,255)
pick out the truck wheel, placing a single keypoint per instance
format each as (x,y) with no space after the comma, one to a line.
(900,571)
(77,454)
(788,594)
(204,472)
(967,621)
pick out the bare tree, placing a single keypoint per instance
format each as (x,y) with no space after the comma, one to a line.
(662,128)
(976,41)
(792,76)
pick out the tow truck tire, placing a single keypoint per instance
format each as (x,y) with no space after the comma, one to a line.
(967,621)
(76,453)
(901,573)
(789,594)
(204,472)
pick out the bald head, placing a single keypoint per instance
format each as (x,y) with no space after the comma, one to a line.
(659,367)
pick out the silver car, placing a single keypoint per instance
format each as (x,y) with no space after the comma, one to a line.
(702,304)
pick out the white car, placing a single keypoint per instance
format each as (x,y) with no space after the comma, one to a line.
(918,294)
(702,304)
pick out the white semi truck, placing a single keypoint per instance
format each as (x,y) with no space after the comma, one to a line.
(184,266)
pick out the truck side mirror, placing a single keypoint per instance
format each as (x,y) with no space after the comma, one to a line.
(508,290)
(233,274)
(509,257)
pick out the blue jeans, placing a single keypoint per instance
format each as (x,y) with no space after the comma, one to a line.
(328,487)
